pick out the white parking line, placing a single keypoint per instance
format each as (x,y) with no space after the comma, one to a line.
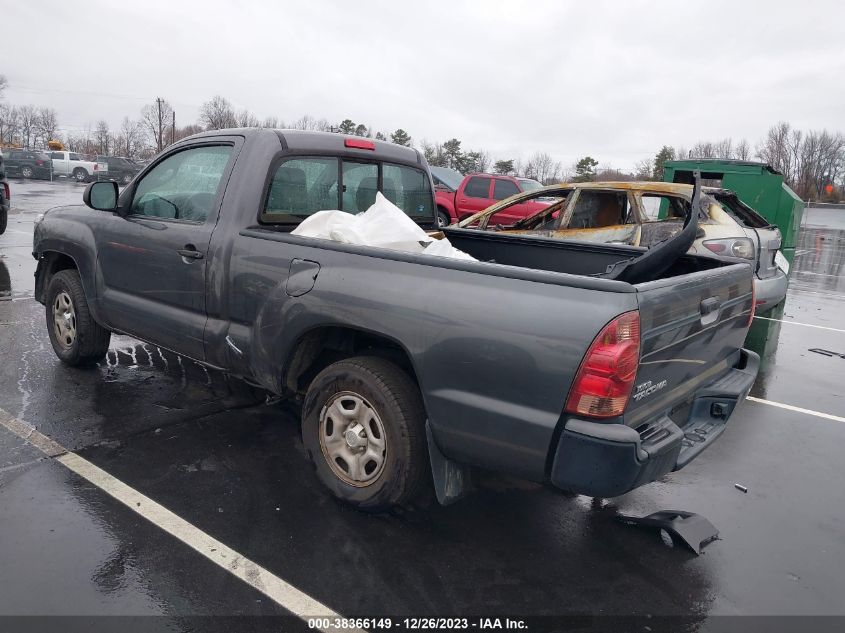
(282,593)
(820,327)
(789,407)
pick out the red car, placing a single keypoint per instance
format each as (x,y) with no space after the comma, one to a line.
(459,197)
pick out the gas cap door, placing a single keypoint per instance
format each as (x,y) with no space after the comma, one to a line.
(301,277)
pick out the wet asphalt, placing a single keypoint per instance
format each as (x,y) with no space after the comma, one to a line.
(216,453)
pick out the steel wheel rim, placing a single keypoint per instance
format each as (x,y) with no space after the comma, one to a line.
(26,172)
(64,320)
(79,176)
(352,439)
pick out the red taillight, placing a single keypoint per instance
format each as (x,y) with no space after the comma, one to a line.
(38,162)
(606,376)
(358,143)
(7,191)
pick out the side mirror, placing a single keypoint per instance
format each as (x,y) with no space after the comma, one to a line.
(101,196)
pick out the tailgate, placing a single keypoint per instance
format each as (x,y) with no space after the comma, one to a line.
(692,328)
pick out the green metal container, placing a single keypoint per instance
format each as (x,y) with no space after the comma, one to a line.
(758,185)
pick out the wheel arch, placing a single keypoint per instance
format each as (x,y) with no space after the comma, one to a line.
(318,347)
(49,264)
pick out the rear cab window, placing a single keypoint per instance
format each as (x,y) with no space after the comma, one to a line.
(301,186)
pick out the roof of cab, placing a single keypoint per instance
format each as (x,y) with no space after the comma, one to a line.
(324,142)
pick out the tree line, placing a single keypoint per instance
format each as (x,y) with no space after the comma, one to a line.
(811,161)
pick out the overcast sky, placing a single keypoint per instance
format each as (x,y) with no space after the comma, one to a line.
(615,80)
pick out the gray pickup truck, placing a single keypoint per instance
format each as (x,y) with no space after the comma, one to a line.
(594,367)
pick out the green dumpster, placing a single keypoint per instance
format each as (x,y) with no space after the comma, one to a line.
(758,185)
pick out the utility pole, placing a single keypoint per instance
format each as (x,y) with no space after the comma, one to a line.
(173,128)
(160,139)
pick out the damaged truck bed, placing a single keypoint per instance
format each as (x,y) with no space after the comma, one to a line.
(596,367)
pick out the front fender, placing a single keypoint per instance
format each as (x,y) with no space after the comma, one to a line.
(57,237)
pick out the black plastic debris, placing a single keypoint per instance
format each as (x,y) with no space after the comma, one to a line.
(690,528)
(826,352)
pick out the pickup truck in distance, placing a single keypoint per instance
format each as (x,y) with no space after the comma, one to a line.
(476,192)
(598,368)
(73,165)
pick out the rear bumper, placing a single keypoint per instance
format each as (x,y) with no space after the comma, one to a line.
(607,460)
(770,291)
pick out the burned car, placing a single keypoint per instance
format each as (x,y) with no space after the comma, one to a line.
(646,214)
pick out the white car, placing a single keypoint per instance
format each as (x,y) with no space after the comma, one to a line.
(73,165)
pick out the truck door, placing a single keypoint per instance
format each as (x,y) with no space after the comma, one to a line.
(152,258)
(504,188)
(59,161)
(474,195)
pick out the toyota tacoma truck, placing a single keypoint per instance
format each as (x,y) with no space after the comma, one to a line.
(595,367)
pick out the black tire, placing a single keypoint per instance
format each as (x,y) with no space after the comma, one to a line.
(396,399)
(90,341)
(443,218)
(80,175)
(27,171)
(4,219)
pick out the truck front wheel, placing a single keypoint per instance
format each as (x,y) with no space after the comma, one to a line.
(363,425)
(76,338)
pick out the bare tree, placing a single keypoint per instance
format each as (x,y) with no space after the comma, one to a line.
(542,167)
(644,169)
(247,119)
(9,123)
(217,114)
(305,122)
(743,150)
(272,122)
(129,138)
(156,118)
(47,124)
(102,136)
(4,83)
(28,118)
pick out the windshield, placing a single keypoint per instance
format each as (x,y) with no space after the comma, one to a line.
(528,184)
(448,177)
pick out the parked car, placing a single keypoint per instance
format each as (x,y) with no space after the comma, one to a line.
(27,163)
(73,165)
(116,168)
(552,360)
(476,192)
(5,195)
(644,214)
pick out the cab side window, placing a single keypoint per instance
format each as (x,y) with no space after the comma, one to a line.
(183,186)
(504,189)
(477,187)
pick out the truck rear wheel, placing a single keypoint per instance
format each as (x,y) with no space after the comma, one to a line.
(363,425)
(76,338)
(80,174)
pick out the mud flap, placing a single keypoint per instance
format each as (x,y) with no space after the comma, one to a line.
(451,480)
(692,529)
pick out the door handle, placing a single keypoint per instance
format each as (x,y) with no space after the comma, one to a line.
(190,252)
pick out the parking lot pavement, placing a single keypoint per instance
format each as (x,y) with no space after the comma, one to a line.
(216,454)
